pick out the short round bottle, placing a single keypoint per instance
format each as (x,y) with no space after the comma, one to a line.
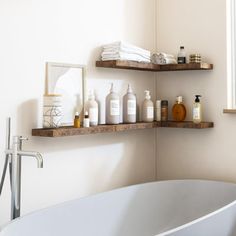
(179,110)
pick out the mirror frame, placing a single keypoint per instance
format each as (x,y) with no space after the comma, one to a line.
(67,65)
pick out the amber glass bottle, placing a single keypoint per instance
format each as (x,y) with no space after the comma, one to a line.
(77,120)
(179,110)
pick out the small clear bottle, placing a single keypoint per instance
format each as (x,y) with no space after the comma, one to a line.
(86,120)
(181,56)
(77,120)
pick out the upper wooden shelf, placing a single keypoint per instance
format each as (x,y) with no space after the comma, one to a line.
(229,111)
(71,131)
(133,65)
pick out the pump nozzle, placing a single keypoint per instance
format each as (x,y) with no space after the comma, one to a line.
(197,98)
(111,90)
(129,90)
(147,94)
(91,95)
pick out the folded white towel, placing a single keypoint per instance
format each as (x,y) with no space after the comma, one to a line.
(125,56)
(126,47)
(165,55)
(160,58)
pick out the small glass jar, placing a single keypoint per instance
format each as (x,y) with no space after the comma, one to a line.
(164,110)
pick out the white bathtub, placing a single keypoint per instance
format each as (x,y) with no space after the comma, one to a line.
(181,207)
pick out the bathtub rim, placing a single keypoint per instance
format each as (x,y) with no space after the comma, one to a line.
(198,219)
(130,186)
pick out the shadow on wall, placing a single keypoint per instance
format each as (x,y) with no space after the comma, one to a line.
(27,116)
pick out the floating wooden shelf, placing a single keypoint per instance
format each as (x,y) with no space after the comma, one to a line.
(71,131)
(186,124)
(229,111)
(133,65)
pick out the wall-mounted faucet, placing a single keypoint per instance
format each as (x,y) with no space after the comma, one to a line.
(14,155)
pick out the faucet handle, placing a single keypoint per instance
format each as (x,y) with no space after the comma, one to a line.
(23,138)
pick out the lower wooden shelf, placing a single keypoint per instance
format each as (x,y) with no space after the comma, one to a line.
(71,131)
(186,124)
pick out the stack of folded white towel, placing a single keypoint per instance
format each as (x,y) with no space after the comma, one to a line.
(124,51)
(163,58)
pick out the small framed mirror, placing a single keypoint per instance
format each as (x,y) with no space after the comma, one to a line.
(68,81)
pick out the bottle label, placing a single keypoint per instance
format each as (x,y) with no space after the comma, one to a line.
(196,113)
(93,114)
(131,107)
(114,107)
(150,112)
(181,60)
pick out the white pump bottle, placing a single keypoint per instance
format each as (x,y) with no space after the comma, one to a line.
(112,107)
(129,106)
(147,108)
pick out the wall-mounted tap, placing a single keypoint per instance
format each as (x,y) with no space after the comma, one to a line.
(15,154)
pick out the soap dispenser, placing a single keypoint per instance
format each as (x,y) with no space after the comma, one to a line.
(147,108)
(179,110)
(112,107)
(197,110)
(129,106)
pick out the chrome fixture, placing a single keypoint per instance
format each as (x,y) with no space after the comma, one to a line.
(14,156)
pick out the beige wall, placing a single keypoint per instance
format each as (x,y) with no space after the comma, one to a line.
(72,31)
(200,26)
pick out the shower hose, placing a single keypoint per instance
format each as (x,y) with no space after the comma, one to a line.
(7,157)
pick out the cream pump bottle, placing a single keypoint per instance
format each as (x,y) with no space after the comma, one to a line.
(197,110)
(92,108)
(129,106)
(112,107)
(147,108)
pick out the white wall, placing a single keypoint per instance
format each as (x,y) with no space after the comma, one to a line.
(206,154)
(33,32)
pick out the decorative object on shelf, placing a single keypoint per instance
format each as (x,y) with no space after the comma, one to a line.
(195,58)
(181,56)
(129,106)
(124,51)
(52,110)
(164,110)
(197,110)
(147,108)
(163,58)
(179,110)
(112,107)
(69,81)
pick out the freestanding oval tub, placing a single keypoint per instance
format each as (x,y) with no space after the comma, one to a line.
(181,207)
